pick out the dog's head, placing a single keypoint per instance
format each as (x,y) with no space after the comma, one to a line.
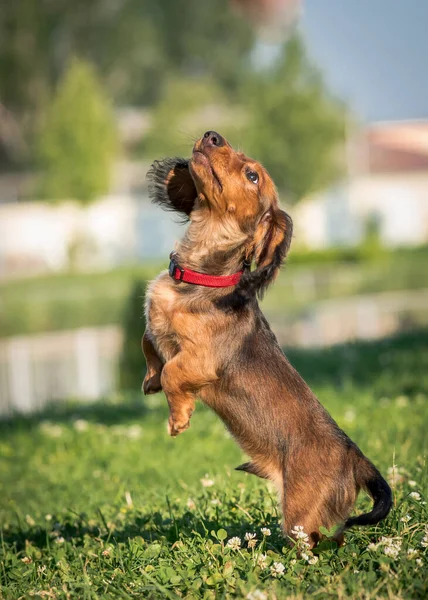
(229,186)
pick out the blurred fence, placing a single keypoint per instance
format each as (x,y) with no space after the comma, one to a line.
(35,370)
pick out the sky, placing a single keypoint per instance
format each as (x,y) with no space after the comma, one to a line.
(374,54)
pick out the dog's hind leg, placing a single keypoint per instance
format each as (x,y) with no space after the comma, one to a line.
(152,380)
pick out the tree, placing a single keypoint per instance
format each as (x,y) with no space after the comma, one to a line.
(78,143)
(294,126)
(132,363)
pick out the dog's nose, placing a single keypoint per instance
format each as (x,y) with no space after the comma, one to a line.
(212,138)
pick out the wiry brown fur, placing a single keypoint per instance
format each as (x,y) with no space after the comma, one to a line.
(215,344)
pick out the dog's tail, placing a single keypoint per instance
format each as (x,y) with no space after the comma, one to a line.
(369,478)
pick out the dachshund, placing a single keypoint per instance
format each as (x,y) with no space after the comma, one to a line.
(207,338)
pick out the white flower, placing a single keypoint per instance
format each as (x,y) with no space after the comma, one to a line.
(60,540)
(349,415)
(80,425)
(261,561)
(313,560)
(134,432)
(299,533)
(190,504)
(372,547)
(215,501)
(277,569)
(30,520)
(412,483)
(27,560)
(405,519)
(391,551)
(206,481)
(234,543)
(424,541)
(266,531)
(419,562)
(256,595)
(304,555)
(415,495)
(411,553)
(249,536)
(48,517)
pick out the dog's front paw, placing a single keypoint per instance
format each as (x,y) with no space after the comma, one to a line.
(151,384)
(176,427)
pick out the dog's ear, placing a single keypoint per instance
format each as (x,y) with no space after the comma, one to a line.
(171,185)
(270,246)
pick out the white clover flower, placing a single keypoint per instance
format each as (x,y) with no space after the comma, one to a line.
(80,425)
(190,504)
(391,551)
(412,483)
(424,541)
(349,415)
(256,595)
(372,547)
(27,560)
(313,560)
(277,569)
(134,432)
(206,481)
(405,519)
(48,517)
(419,562)
(415,495)
(234,543)
(249,536)
(299,533)
(262,561)
(266,531)
(411,553)
(60,540)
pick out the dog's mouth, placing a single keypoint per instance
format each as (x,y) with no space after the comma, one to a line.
(201,158)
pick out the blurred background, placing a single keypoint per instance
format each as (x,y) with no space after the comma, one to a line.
(331,97)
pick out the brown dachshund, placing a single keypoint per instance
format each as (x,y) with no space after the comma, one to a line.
(206,337)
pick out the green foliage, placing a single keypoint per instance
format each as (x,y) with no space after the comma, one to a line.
(136,45)
(78,144)
(97,502)
(132,364)
(294,127)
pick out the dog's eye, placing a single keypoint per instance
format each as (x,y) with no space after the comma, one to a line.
(252,176)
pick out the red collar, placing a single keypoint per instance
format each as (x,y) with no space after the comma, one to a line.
(189,276)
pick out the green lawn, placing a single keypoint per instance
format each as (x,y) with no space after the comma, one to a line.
(97,502)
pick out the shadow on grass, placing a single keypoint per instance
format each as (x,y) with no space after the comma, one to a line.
(106,412)
(151,527)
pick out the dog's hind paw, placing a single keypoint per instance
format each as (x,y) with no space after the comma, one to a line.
(151,385)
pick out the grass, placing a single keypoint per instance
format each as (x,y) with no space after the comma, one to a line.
(67,300)
(97,502)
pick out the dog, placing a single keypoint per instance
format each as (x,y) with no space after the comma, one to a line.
(206,337)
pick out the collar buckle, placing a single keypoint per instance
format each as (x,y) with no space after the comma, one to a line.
(175,268)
